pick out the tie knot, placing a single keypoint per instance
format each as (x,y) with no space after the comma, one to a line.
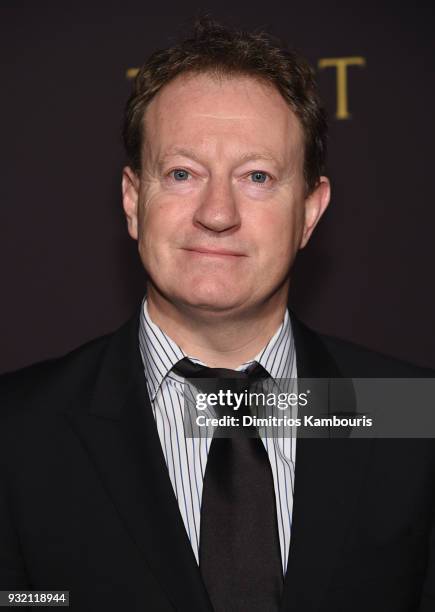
(223,382)
(219,378)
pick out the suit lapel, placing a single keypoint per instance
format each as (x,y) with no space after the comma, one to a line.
(327,479)
(121,438)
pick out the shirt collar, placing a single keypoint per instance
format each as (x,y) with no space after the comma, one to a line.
(160,353)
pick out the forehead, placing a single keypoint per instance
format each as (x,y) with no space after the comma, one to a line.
(227,116)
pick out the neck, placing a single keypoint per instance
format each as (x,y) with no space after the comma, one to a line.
(218,339)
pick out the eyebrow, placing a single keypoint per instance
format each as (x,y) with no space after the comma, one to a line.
(248,156)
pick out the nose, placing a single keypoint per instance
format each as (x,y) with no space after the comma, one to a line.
(218,210)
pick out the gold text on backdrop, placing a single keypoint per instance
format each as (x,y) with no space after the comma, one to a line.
(341,64)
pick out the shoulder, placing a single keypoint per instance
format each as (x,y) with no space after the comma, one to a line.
(327,356)
(40,386)
(354,360)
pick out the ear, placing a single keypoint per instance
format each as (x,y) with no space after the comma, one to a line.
(315,205)
(130,199)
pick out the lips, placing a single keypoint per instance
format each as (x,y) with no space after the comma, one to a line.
(215,252)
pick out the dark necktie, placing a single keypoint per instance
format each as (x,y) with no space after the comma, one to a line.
(239,550)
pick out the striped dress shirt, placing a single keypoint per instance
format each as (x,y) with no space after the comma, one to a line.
(186,457)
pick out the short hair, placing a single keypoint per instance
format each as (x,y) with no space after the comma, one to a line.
(223,51)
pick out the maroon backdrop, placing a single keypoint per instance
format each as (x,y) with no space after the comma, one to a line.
(70,272)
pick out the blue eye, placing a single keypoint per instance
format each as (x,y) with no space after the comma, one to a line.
(180,175)
(258,177)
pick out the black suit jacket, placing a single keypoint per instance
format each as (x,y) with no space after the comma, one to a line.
(86,503)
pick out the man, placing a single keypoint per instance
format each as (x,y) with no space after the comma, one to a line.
(102,492)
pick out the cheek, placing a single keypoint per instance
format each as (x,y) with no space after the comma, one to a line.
(160,224)
(279,235)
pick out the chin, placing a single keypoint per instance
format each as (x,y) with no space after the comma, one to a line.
(214,298)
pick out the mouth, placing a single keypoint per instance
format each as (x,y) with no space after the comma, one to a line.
(213,252)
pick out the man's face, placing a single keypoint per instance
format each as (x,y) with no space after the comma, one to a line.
(220,208)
